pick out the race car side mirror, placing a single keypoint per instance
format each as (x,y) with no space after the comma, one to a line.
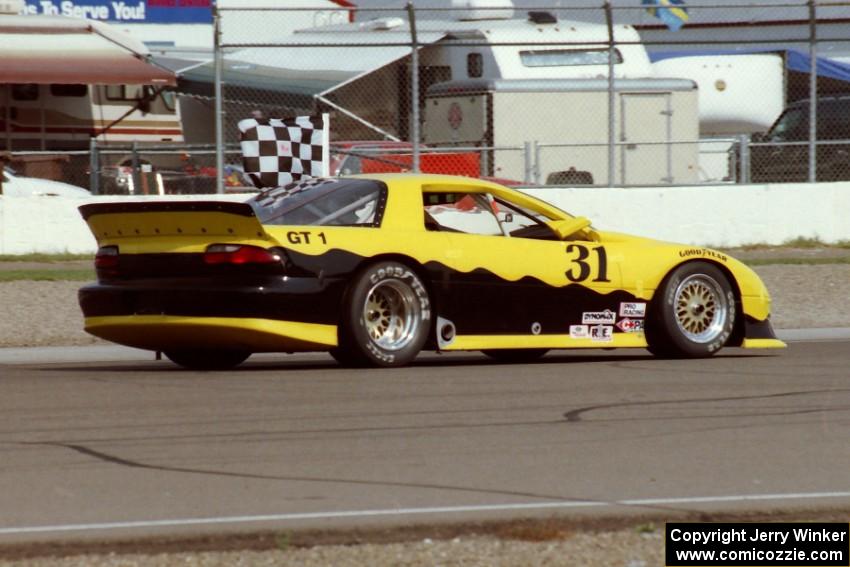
(568,227)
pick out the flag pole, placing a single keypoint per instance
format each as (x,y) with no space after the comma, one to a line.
(326,135)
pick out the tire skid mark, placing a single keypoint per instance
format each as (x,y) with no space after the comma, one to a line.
(576,414)
(117,460)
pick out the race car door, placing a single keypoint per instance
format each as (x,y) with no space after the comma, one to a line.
(509,273)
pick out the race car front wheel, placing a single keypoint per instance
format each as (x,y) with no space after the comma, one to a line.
(386,319)
(693,314)
(203,359)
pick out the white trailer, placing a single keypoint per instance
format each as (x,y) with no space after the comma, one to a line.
(564,125)
(360,71)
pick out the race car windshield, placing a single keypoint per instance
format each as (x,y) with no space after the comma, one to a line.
(323,202)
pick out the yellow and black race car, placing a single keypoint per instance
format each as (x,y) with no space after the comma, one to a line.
(376,268)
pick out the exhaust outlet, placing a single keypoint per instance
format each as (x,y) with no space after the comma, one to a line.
(446,332)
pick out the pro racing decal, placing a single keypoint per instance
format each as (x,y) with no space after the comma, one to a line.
(633,310)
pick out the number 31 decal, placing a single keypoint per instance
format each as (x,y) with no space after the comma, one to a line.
(581,269)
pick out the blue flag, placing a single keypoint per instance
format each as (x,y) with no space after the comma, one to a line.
(672,12)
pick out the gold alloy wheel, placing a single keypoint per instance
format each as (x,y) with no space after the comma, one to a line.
(701,308)
(392,314)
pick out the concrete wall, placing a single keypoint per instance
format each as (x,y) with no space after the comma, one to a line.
(721,216)
(53,225)
(717,215)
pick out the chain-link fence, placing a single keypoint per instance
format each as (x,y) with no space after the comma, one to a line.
(593,94)
(121,170)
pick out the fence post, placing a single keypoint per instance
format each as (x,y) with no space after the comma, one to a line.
(94,167)
(813,93)
(744,158)
(609,19)
(414,87)
(529,164)
(134,161)
(219,104)
(536,168)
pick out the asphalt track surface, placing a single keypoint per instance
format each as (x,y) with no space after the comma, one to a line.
(107,442)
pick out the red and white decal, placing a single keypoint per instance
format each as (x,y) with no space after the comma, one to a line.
(631,325)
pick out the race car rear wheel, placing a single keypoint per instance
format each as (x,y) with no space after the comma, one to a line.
(694,312)
(347,357)
(202,359)
(516,354)
(386,319)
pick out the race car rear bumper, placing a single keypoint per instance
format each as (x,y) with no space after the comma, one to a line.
(268,314)
(311,300)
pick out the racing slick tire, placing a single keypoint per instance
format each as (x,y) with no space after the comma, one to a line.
(203,359)
(515,354)
(693,314)
(386,317)
(347,357)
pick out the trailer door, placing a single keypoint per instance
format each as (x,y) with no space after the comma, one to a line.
(645,135)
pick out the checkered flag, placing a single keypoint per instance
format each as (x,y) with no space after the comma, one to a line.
(278,151)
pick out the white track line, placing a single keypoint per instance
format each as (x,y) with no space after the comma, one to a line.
(419,511)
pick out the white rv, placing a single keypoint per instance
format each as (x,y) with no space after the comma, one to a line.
(738,94)
(56,116)
(65,80)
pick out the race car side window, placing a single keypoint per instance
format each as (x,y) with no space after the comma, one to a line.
(523,223)
(470,213)
(323,202)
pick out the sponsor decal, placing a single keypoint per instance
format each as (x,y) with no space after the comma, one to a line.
(579,332)
(702,253)
(602,333)
(631,325)
(633,310)
(606,317)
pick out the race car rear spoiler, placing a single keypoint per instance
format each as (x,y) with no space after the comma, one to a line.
(231,207)
(183,222)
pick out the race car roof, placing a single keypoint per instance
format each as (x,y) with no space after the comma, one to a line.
(61,50)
